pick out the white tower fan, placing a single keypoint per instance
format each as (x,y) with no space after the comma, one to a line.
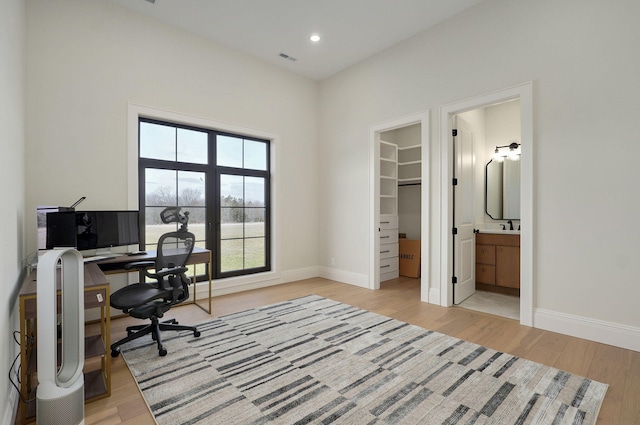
(60,391)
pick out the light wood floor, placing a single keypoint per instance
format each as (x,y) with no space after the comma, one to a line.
(400,299)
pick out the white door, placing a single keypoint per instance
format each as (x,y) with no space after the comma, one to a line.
(464,240)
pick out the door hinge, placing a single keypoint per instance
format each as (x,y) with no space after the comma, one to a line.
(454,279)
(454,231)
(454,181)
(454,132)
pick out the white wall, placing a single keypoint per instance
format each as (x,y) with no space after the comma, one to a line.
(578,53)
(12,187)
(88,60)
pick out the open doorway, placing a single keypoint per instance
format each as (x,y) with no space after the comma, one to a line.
(399,196)
(453,261)
(486,211)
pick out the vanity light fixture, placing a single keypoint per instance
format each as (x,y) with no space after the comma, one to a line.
(511,151)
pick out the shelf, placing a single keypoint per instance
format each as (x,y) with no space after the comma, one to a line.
(411,171)
(388,169)
(95,386)
(93,347)
(388,151)
(407,182)
(406,148)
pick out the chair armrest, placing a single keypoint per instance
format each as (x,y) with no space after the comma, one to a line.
(139,265)
(170,270)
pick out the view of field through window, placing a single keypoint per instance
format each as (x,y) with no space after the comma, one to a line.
(178,171)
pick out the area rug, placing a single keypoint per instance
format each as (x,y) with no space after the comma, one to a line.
(313,360)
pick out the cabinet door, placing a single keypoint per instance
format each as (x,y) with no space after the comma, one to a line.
(485,273)
(485,254)
(508,266)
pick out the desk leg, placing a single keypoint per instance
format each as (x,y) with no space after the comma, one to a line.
(195,291)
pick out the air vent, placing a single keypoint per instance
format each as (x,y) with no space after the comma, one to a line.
(286,56)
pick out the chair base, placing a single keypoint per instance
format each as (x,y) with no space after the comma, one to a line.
(154,328)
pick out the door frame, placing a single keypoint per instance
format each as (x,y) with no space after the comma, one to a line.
(524,92)
(421,118)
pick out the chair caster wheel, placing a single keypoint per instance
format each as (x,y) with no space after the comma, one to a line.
(115,352)
(196,333)
(162,352)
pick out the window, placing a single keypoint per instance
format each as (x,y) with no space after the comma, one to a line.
(221,179)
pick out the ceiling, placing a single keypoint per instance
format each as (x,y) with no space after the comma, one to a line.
(351,30)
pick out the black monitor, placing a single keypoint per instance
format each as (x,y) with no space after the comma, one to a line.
(86,230)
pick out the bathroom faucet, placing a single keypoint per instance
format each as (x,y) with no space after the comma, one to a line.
(510,224)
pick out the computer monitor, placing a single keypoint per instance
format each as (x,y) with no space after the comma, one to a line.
(86,230)
(41,213)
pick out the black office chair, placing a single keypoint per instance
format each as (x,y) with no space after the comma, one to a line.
(150,300)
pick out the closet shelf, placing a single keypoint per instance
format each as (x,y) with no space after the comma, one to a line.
(409,147)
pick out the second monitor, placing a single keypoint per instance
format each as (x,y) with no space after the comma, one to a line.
(86,230)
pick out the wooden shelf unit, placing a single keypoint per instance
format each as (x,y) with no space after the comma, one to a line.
(97,368)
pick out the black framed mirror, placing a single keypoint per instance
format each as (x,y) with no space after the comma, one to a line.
(502,189)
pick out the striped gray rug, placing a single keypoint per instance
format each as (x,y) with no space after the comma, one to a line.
(313,360)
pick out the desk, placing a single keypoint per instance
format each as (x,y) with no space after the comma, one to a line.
(198,256)
(97,371)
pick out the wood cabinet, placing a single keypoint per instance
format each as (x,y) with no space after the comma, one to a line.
(498,262)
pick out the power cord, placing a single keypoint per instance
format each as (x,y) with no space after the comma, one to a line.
(31,260)
(16,386)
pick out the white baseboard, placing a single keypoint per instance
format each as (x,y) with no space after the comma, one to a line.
(434,296)
(256,281)
(615,334)
(300,274)
(345,277)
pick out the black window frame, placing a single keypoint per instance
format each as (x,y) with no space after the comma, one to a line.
(212,194)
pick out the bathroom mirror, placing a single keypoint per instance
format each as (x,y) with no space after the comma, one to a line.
(502,189)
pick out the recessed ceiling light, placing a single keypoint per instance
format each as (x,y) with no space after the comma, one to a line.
(315,38)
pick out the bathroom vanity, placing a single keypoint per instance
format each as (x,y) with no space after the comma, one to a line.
(498,262)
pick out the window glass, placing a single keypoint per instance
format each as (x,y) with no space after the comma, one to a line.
(157,141)
(192,146)
(254,253)
(254,220)
(233,255)
(255,155)
(254,191)
(229,151)
(191,188)
(231,190)
(160,187)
